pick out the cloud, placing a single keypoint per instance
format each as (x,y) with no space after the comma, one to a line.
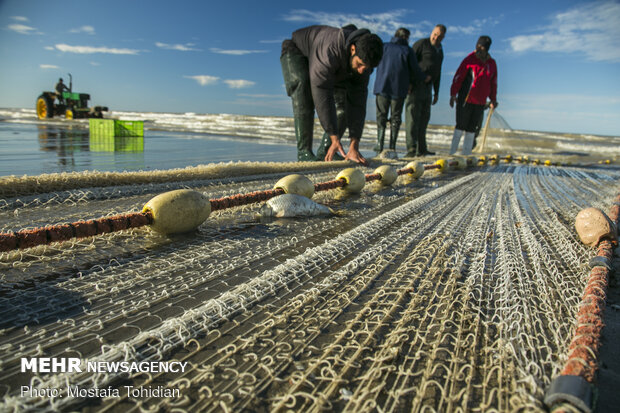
(476,27)
(20,18)
(180,47)
(21,28)
(204,80)
(591,30)
(380,23)
(43,66)
(239,83)
(90,49)
(84,29)
(236,52)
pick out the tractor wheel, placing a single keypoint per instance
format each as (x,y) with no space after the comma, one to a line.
(45,108)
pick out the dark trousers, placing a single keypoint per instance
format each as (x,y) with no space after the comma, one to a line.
(417,116)
(469,116)
(384,106)
(296,75)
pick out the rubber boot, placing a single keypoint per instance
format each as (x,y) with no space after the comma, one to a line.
(304,128)
(394,136)
(456,138)
(297,82)
(468,143)
(380,138)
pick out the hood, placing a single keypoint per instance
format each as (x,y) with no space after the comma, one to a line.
(353,33)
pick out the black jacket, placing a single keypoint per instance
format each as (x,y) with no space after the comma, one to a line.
(327,50)
(430,60)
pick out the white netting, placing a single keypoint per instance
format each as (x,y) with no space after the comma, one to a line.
(445,294)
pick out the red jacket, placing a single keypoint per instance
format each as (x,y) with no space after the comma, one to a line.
(484,84)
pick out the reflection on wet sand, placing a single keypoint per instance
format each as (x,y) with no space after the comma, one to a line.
(64,141)
(76,150)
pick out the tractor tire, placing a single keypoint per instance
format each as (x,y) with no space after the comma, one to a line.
(45,107)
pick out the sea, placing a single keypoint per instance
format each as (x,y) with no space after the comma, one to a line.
(29,146)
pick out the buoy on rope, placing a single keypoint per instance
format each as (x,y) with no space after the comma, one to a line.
(482,160)
(508,158)
(354,180)
(451,164)
(417,169)
(296,184)
(178,211)
(592,225)
(442,165)
(461,163)
(388,174)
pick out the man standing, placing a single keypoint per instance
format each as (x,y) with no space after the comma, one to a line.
(429,54)
(397,71)
(329,68)
(479,69)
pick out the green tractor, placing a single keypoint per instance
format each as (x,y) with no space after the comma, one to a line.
(73,105)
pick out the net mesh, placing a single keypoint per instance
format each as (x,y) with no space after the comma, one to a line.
(450,293)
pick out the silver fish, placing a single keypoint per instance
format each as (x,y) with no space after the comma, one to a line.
(292,205)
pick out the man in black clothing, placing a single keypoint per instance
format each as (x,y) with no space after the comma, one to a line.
(60,87)
(329,68)
(429,54)
(396,73)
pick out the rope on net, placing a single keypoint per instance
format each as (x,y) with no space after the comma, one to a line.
(26,185)
(573,387)
(29,238)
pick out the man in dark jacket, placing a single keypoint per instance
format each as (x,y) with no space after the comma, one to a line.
(329,68)
(397,71)
(429,53)
(60,87)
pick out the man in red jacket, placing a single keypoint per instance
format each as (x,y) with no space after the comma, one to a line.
(479,69)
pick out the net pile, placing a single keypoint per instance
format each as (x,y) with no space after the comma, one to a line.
(450,293)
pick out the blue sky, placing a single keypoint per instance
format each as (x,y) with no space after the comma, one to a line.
(558,60)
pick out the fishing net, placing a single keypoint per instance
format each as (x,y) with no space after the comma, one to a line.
(456,292)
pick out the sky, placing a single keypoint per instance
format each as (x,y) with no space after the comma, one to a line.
(558,60)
